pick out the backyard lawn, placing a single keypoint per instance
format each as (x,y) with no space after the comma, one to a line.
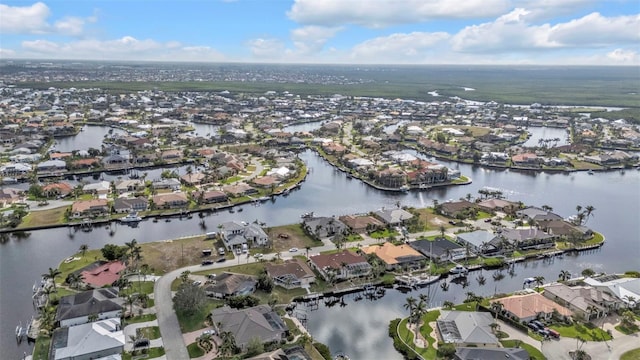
(587,332)
(534,353)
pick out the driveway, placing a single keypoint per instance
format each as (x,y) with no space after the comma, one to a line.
(167,318)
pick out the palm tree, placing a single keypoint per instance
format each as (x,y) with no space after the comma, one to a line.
(588,211)
(564,275)
(205,341)
(591,309)
(448,305)
(629,299)
(494,326)
(75,279)
(410,304)
(228,346)
(92,317)
(83,249)
(130,300)
(419,309)
(539,280)
(52,274)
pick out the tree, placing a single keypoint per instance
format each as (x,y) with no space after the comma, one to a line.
(588,272)
(630,300)
(255,346)
(410,304)
(52,274)
(628,319)
(539,280)
(74,280)
(588,211)
(448,305)
(35,190)
(494,327)
(83,249)
(130,300)
(228,346)
(205,341)
(113,252)
(189,299)
(92,317)
(564,275)
(265,282)
(184,276)
(446,351)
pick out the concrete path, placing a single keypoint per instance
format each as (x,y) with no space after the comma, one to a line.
(130,330)
(167,319)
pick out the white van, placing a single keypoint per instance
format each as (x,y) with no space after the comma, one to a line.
(221,251)
(245,248)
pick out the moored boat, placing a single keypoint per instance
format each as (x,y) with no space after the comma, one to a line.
(131,217)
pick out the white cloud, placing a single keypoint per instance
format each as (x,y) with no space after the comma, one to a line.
(381,13)
(398,48)
(622,56)
(540,10)
(125,48)
(266,49)
(311,39)
(24,19)
(70,26)
(512,32)
(7,53)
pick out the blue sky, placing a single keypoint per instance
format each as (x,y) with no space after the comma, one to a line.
(576,32)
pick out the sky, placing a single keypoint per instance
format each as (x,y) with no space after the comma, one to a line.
(543,32)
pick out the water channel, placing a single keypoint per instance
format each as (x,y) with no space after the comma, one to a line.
(360,328)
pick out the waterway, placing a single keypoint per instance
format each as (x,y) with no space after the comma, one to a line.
(360,328)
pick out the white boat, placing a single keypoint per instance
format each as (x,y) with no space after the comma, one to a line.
(529,280)
(341,356)
(458,270)
(424,280)
(131,217)
(590,172)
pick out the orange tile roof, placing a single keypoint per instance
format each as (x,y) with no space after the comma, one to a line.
(529,305)
(389,253)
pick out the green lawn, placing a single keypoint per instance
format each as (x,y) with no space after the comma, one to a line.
(139,319)
(150,354)
(587,332)
(189,323)
(142,287)
(627,331)
(194,350)
(383,234)
(151,332)
(629,355)
(68,267)
(407,337)
(534,353)
(41,349)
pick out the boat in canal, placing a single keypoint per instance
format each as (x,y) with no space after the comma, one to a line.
(132,217)
(459,270)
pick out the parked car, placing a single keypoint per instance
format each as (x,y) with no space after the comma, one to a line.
(222,259)
(545,333)
(207,262)
(209,332)
(538,324)
(197,283)
(533,326)
(293,250)
(553,333)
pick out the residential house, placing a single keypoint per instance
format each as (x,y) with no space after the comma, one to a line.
(527,239)
(565,229)
(51,166)
(493,205)
(258,322)
(102,273)
(480,242)
(171,155)
(585,301)
(100,189)
(393,217)
(127,205)
(236,234)
(322,226)
(210,196)
(530,306)
(89,208)
(75,309)
(61,189)
(466,328)
(439,250)
(391,178)
(526,160)
(193,179)
(171,200)
(291,274)
(475,353)
(625,289)
(230,284)
(9,196)
(396,256)
(115,161)
(239,189)
(168,183)
(265,182)
(85,163)
(361,223)
(344,265)
(455,208)
(537,215)
(15,170)
(129,185)
(102,339)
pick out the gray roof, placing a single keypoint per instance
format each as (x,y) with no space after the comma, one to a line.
(101,336)
(229,284)
(524,234)
(466,327)
(477,238)
(472,353)
(88,302)
(393,216)
(438,247)
(256,322)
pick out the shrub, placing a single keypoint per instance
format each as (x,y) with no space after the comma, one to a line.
(323,350)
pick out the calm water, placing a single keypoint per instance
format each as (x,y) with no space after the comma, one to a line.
(538,133)
(352,329)
(90,137)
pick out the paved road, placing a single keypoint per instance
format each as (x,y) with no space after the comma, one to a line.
(167,320)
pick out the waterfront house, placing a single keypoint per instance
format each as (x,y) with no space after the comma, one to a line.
(322,226)
(127,205)
(396,256)
(530,306)
(585,301)
(101,188)
(85,163)
(235,235)
(475,353)
(172,200)
(526,160)
(565,229)
(193,179)
(102,273)
(89,208)
(9,196)
(391,178)
(258,322)
(531,238)
(51,166)
(230,284)
(466,328)
(455,208)
(75,309)
(239,189)
(265,182)
(344,265)
(102,339)
(480,242)
(210,196)
(129,185)
(626,290)
(393,217)
(537,215)
(169,183)
(361,223)
(291,274)
(115,161)
(15,170)
(60,189)
(439,250)
(493,205)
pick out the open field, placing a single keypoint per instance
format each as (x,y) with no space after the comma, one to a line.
(289,236)
(43,218)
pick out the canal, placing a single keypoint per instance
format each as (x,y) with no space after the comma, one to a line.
(359,328)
